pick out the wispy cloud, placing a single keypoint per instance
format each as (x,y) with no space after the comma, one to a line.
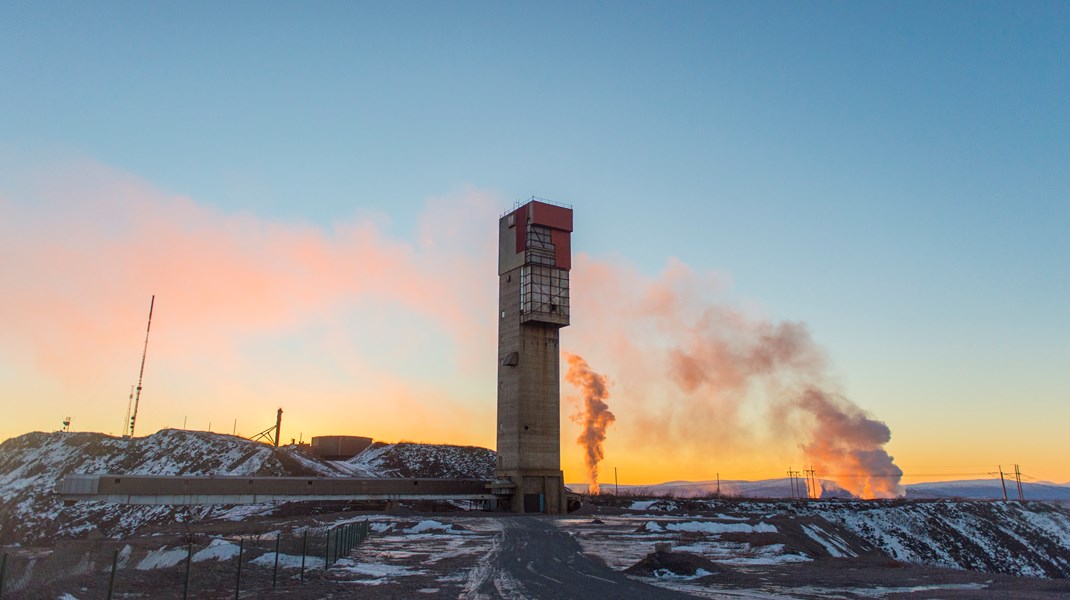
(86,245)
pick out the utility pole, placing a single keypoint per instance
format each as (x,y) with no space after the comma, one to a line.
(1018,478)
(141,375)
(616,484)
(1003,483)
(811,482)
(796,485)
(718,485)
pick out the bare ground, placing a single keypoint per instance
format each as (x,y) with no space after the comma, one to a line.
(487,555)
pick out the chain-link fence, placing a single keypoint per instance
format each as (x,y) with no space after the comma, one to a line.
(200,566)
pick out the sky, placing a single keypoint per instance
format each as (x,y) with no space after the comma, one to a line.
(311,192)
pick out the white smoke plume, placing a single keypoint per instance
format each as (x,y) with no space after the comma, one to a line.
(740,384)
(595,416)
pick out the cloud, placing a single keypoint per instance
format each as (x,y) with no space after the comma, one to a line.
(85,246)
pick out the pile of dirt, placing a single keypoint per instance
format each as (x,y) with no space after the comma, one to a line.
(408,460)
(681,564)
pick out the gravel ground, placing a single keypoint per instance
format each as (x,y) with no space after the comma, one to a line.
(489,556)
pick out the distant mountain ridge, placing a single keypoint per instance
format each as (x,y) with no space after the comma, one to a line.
(980,489)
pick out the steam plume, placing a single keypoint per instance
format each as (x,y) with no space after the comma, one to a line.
(847,445)
(594,418)
(744,386)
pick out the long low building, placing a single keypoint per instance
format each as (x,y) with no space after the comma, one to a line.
(183,490)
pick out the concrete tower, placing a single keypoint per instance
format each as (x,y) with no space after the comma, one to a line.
(534,258)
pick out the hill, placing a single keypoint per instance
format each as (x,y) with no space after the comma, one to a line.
(1030,539)
(407,459)
(990,489)
(32,464)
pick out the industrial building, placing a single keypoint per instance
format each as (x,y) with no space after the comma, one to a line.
(534,259)
(339,447)
(193,490)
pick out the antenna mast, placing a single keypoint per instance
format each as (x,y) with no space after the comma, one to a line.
(129,407)
(141,375)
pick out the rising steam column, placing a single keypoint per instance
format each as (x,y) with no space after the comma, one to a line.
(534,258)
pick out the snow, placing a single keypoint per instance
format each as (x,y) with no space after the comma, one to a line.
(835,546)
(950,534)
(353,469)
(667,574)
(162,558)
(124,555)
(32,464)
(217,550)
(778,559)
(428,525)
(243,512)
(286,561)
(621,541)
(424,460)
(883,592)
(710,527)
(377,570)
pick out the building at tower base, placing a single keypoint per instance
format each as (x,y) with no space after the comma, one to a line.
(534,258)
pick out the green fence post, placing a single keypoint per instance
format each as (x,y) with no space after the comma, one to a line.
(275,573)
(304,551)
(189,562)
(241,550)
(3,569)
(111,580)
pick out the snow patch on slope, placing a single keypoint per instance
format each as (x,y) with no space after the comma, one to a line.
(425,460)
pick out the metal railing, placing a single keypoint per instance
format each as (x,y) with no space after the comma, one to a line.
(521,202)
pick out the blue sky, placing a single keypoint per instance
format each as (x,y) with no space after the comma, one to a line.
(893,174)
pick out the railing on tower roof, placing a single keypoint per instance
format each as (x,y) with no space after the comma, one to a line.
(521,202)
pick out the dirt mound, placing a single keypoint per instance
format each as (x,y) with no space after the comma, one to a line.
(680,564)
(406,459)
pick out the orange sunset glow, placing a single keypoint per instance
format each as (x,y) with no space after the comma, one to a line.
(354,330)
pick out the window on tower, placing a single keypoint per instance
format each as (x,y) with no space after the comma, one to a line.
(544,294)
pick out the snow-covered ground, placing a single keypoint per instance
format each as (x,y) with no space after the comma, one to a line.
(622,541)
(424,460)
(1031,539)
(32,464)
(1022,539)
(445,550)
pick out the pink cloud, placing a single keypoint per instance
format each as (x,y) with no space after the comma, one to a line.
(85,246)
